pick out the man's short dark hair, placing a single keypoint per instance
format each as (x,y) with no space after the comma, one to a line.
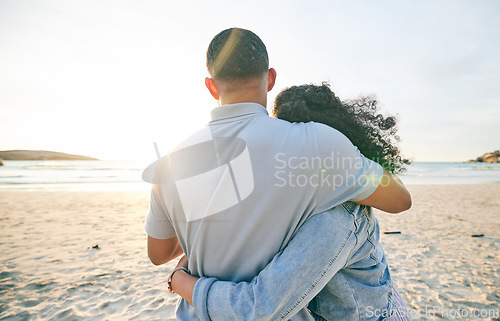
(237,54)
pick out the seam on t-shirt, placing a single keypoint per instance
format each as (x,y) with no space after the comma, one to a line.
(233,119)
(319,172)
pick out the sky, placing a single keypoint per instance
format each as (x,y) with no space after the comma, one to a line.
(107,78)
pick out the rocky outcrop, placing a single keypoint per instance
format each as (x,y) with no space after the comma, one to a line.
(39,155)
(493,157)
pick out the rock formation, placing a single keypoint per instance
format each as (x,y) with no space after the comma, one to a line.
(493,157)
(39,155)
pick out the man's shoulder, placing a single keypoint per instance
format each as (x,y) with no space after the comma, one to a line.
(200,136)
(323,129)
(310,126)
(328,134)
(310,133)
(153,173)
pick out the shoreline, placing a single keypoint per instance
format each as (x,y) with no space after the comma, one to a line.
(142,187)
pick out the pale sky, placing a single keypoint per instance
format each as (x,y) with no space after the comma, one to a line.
(106,78)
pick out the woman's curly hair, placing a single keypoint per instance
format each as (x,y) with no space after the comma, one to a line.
(373,134)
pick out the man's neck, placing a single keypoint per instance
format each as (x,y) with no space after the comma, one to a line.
(252,92)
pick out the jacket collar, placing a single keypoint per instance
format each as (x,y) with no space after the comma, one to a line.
(237,110)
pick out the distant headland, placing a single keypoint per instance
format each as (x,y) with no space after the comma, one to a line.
(39,155)
(493,157)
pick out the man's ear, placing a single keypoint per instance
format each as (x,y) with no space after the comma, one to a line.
(271,79)
(209,82)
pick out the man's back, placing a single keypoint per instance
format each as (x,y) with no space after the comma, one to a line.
(236,192)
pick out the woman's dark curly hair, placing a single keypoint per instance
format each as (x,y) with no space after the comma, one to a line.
(373,134)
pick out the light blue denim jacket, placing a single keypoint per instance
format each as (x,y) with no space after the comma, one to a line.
(334,268)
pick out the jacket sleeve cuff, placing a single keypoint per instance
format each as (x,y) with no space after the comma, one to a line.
(200,297)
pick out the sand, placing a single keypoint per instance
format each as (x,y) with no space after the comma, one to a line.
(436,263)
(50,270)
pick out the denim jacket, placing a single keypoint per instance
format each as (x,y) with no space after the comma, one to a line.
(334,268)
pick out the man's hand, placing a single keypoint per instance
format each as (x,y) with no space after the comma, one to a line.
(183,262)
(163,251)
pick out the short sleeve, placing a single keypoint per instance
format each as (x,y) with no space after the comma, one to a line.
(158,224)
(345,174)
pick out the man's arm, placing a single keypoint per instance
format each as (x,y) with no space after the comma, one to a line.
(390,196)
(163,245)
(287,284)
(162,251)
(265,296)
(354,177)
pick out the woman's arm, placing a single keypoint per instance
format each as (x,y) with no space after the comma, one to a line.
(294,277)
(183,283)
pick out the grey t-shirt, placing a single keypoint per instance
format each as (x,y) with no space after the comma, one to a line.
(235,192)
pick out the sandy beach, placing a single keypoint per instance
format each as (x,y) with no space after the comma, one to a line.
(436,263)
(50,270)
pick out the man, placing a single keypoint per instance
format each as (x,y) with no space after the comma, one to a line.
(235,193)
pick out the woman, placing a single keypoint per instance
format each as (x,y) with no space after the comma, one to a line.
(373,134)
(355,286)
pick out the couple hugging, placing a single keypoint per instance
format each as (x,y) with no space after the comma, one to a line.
(273,214)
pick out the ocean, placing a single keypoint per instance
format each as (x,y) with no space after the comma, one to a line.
(126,175)
(59,175)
